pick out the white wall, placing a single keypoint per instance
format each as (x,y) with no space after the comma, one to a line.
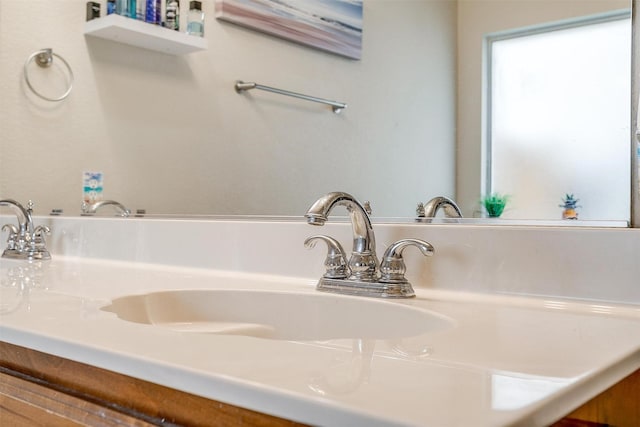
(172,136)
(477,18)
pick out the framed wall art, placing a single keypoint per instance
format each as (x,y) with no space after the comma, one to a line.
(331,25)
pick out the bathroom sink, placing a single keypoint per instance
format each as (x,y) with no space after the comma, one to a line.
(277,315)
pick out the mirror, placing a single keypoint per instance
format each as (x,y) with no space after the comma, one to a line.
(171,135)
(558,117)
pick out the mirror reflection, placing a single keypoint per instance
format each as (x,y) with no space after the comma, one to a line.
(558,118)
(170,135)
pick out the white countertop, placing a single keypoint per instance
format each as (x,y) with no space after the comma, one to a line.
(504,360)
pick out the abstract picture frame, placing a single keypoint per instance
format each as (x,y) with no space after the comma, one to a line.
(330,25)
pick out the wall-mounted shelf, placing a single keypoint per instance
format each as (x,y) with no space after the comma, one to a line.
(141,34)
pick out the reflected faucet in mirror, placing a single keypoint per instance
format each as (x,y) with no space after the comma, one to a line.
(25,241)
(92,208)
(362,274)
(433,206)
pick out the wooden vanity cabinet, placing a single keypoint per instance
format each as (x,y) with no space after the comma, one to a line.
(45,390)
(38,389)
(618,406)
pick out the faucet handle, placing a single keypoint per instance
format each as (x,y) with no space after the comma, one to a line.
(38,243)
(367,207)
(335,262)
(392,268)
(11,228)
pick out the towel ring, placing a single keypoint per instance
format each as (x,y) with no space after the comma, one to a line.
(44,58)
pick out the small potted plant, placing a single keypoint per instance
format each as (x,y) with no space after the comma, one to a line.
(570,207)
(494,204)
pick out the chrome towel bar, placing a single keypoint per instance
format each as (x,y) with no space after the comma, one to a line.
(241,86)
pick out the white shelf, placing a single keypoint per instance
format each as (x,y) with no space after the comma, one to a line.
(141,34)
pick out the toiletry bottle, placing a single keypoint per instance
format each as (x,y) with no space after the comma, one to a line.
(141,7)
(131,9)
(152,12)
(111,7)
(158,12)
(173,15)
(195,19)
(93,10)
(121,7)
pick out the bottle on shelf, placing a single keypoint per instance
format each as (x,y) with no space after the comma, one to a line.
(172,15)
(153,12)
(158,12)
(126,8)
(93,10)
(141,7)
(195,19)
(121,7)
(131,9)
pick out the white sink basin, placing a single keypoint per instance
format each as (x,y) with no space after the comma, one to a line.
(277,315)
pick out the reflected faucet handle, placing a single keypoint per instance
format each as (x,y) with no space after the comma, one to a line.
(13,235)
(38,243)
(392,268)
(367,207)
(40,232)
(335,262)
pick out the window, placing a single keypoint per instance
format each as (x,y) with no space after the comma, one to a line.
(558,118)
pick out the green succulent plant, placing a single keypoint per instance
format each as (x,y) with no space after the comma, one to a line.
(494,204)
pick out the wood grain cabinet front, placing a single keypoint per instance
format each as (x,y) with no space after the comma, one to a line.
(40,389)
(618,406)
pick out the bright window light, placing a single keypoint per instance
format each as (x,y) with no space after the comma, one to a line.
(559,119)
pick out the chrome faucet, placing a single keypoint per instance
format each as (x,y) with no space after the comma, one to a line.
(25,241)
(25,224)
(91,209)
(362,274)
(451,210)
(363,262)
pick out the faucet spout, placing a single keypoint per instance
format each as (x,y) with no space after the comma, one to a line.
(25,223)
(24,241)
(451,210)
(363,261)
(90,209)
